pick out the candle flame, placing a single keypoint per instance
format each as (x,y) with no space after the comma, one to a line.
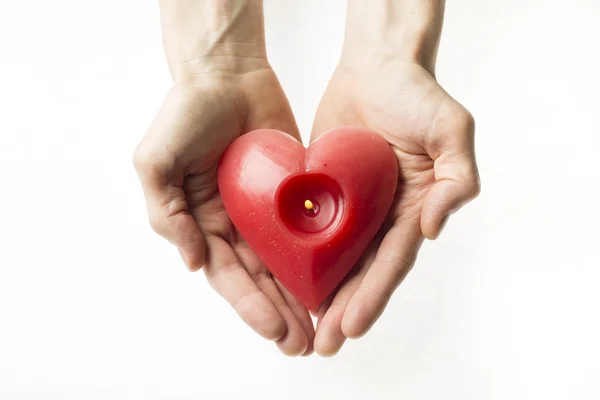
(308,205)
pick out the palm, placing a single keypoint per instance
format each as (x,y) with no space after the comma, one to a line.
(401,109)
(403,103)
(207,208)
(184,145)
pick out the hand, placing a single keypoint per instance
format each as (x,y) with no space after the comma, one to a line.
(432,137)
(220,92)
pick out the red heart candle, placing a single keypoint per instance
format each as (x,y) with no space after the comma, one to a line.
(309,214)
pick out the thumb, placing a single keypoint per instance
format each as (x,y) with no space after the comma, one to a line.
(457,179)
(168,210)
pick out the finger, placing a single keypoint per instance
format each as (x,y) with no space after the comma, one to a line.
(228,277)
(294,342)
(456,175)
(329,338)
(168,209)
(395,257)
(302,315)
(322,310)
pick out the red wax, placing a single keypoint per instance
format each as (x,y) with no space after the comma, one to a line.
(349,175)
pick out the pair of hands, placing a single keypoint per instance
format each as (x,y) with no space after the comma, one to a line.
(207,109)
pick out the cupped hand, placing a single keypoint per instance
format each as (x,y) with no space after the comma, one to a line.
(432,136)
(177,166)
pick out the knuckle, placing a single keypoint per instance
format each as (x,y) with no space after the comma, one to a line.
(157,224)
(464,121)
(149,166)
(469,121)
(151,162)
(454,117)
(397,261)
(475,188)
(213,274)
(261,276)
(454,128)
(473,184)
(339,305)
(461,124)
(377,293)
(141,159)
(242,303)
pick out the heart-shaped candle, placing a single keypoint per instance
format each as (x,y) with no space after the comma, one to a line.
(309,214)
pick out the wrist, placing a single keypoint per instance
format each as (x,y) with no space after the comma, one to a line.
(202,36)
(387,30)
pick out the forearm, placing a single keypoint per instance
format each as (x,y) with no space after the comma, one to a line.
(402,29)
(224,35)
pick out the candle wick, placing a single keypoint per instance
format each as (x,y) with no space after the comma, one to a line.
(308,205)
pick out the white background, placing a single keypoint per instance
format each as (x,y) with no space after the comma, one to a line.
(94,305)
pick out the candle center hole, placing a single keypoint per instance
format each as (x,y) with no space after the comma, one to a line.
(310,203)
(311,208)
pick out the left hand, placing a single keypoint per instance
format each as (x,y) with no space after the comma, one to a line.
(432,136)
(223,87)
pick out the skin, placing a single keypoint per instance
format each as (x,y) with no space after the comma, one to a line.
(223,87)
(385,81)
